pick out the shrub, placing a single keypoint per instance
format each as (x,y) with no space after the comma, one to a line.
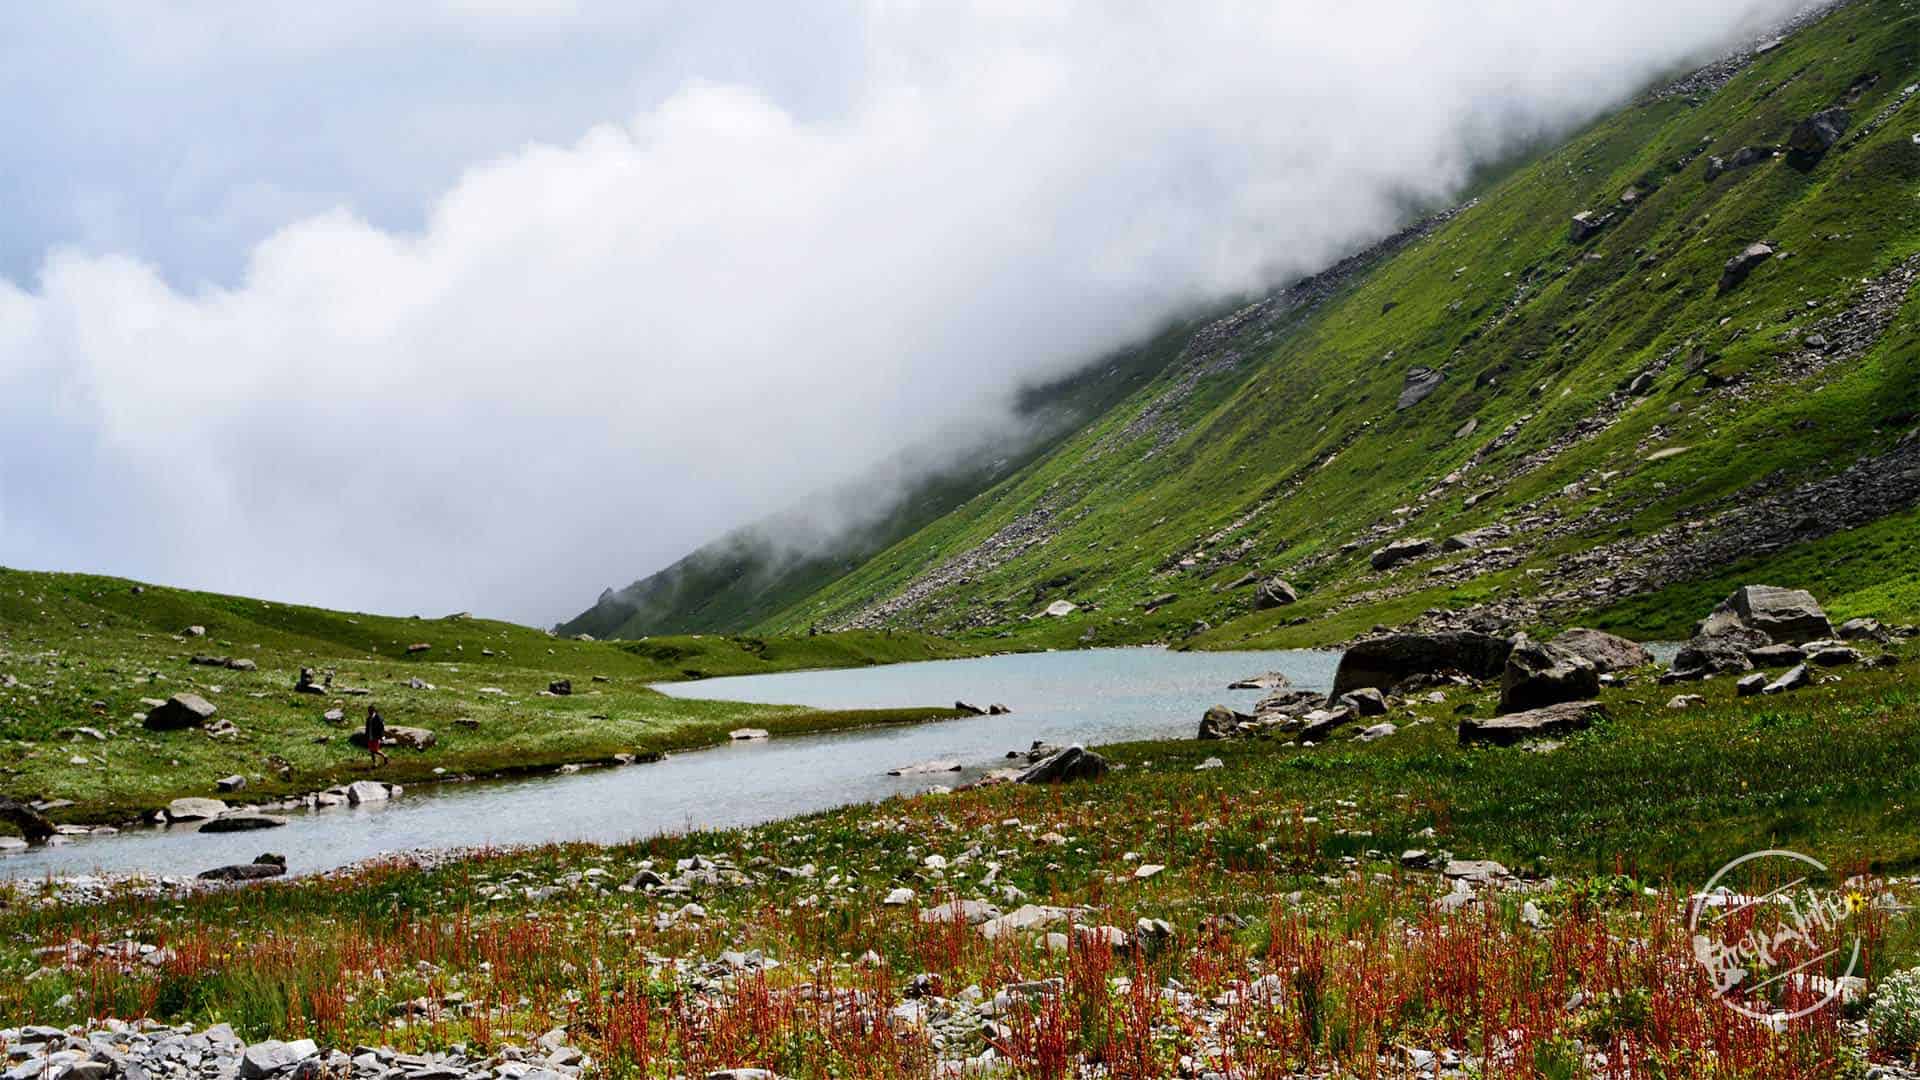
(1895,1013)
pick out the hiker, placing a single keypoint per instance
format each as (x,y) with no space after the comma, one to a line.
(376,731)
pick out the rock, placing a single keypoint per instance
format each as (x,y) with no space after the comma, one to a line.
(1061,608)
(245,821)
(560,687)
(34,826)
(1159,601)
(968,710)
(1272,680)
(1833,656)
(1419,383)
(1606,652)
(1749,685)
(230,784)
(925,768)
(1024,917)
(1074,763)
(1210,763)
(193,809)
(1477,871)
(1376,731)
(1219,722)
(998,710)
(264,1059)
(1384,662)
(265,866)
(1794,678)
(361,792)
(1863,629)
(1400,551)
(179,712)
(1738,267)
(1538,674)
(195,631)
(1776,655)
(413,738)
(1816,134)
(1561,719)
(970,912)
(417,648)
(1322,723)
(1739,159)
(1584,225)
(1718,653)
(309,683)
(1781,614)
(1685,701)
(1274,593)
(899,897)
(1365,701)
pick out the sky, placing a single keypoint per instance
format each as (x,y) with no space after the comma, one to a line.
(485,305)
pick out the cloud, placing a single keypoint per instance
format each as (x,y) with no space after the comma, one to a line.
(585,357)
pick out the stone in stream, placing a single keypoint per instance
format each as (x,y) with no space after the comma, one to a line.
(968,709)
(179,712)
(361,792)
(1272,680)
(925,768)
(1074,763)
(1383,662)
(194,809)
(1607,652)
(265,866)
(245,821)
(1561,719)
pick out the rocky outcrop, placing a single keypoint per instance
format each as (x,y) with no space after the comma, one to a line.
(1606,652)
(1738,267)
(1074,763)
(1385,662)
(1539,674)
(181,711)
(1274,593)
(1419,383)
(1816,134)
(1400,551)
(1562,719)
(1791,615)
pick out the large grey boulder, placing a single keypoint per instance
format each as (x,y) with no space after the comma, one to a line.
(1724,650)
(1607,652)
(1322,723)
(245,821)
(1817,133)
(1074,763)
(1420,382)
(1400,551)
(1220,722)
(1585,224)
(1562,719)
(265,866)
(1384,662)
(181,711)
(1539,673)
(1739,159)
(192,809)
(1365,701)
(1781,614)
(1274,593)
(1738,267)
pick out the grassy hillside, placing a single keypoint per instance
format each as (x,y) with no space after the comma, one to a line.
(80,657)
(1273,444)
(752,574)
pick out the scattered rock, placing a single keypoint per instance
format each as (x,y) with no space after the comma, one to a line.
(1738,267)
(361,792)
(1074,763)
(747,734)
(1816,134)
(1061,608)
(230,784)
(1795,678)
(310,682)
(413,738)
(1749,685)
(1273,593)
(1606,652)
(1864,629)
(1364,701)
(1420,382)
(265,866)
(1220,722)
(417,648)
(1538,673)
(1561,719)
(245,821)
(179,712)
(560,687)
(1400,551)
(194,809)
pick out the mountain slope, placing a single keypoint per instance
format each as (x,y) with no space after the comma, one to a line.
(1604,413)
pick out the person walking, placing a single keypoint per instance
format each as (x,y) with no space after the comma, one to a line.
(376,733)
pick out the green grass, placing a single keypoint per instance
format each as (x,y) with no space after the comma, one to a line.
(86,651)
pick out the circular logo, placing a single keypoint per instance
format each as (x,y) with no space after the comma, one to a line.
(1777,939)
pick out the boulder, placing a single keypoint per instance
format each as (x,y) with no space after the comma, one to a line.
(1274,593)
(1419,383)
(1584,225)
(229,784)
(1365,701)
(413,738)
(265,866)
(191,809)
(1074,763)
(1749,685)
(1816,134)
(1721,652)
(1322,723)
(1606,652)
(966,709)
(1384,662)
(1863,629)
(361,792)
(242,664)
(1160,601)
(1272,680)
(1782,614)
(179,712)
(1562,719)
(1832,655)
(1219,722)
(1400,551)
(1776,655)
(560,687)
(309,682)
(1739,159)
(1062,608)
(1738,267)
(271,1056)
(1794,678)
(1539,673)
(245,821)
(747,734)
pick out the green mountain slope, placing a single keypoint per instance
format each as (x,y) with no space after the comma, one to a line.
(1608,416)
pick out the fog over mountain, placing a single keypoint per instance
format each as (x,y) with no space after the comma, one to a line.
(487,305)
